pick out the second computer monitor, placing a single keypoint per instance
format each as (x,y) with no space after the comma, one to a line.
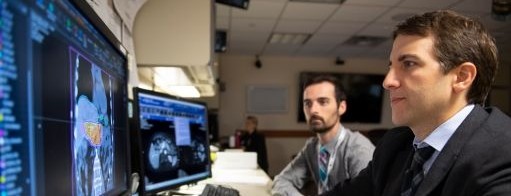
(173,137)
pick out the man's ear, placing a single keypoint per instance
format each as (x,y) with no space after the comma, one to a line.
(342,107)
(464,77)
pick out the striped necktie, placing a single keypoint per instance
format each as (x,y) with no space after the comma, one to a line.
(415,174)
(323,164)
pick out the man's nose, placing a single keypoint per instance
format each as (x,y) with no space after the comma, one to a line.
(390,81)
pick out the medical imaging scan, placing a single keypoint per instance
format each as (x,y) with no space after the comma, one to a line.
(93,141)
(174,142)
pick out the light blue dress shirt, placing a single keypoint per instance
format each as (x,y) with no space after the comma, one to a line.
(439,137)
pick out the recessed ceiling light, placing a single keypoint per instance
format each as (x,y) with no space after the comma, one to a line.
(364,40)
(288,38)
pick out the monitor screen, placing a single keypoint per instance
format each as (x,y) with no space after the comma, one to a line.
(173,140)
(63,121)
(364,94)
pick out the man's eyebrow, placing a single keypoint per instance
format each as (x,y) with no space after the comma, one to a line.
(407,56)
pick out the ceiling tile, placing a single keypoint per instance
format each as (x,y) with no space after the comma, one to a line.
(433,4)
(493,24)
(252,24)
(473,6)
(308,11)
(280,49)
(314,50)
(249,36)
(248,30)
(246,46)
(372,2)
(297,26)
(260,9)
(358,13)
(243,51)
(349,51)
(382,50)
(326,39)
(378,29)
(374,54)
(343,28)
(396,15)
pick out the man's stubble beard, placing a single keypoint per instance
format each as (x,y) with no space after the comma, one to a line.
(323,128)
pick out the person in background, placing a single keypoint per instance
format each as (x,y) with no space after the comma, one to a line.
(442,66)
(335,154)
(253,141)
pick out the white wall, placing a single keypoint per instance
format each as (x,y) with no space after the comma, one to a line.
(238,72)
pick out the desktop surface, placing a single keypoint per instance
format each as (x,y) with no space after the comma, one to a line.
(249,182)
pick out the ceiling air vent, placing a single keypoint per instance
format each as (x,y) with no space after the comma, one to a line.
(364,40)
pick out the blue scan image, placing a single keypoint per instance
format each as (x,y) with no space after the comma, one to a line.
(93,142)
(163,154)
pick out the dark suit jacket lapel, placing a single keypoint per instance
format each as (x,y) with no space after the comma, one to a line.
(393,161)
(401,162)
(451,151)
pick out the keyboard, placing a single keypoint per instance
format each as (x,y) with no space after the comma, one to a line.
(218,190)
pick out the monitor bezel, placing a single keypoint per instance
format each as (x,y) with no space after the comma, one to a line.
(88,13)
(136,120)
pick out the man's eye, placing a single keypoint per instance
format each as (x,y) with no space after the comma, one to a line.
(409,64)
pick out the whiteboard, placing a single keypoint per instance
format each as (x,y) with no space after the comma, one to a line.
(267,99)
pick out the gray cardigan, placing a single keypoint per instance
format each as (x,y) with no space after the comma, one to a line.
(353,154)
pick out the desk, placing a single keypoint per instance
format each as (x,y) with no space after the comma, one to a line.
(249,182)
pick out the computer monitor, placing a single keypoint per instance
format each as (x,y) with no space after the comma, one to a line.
(63,88)
(173,135)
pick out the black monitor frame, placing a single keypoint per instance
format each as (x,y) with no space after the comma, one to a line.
(94,18)
(137,138)
(85,9)
(97,23)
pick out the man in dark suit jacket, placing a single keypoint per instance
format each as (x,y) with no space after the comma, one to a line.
(441,69)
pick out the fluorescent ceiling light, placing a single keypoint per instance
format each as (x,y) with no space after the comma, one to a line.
(365,40)
(182,91)
(173,80)
(289,38)
(144,86)
(170,76)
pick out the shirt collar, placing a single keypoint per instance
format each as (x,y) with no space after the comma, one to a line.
(331,145)
(439,137)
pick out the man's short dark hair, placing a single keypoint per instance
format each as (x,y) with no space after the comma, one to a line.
(340,95)
(458,39)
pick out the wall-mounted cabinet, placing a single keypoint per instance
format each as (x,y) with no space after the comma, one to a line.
(174,33)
